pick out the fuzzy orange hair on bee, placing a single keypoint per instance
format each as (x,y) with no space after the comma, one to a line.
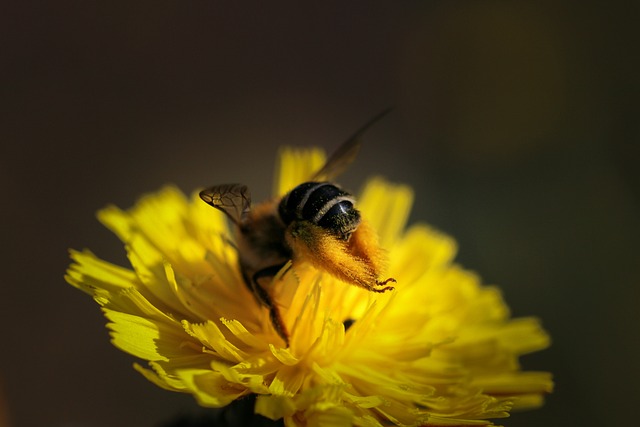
(315,222)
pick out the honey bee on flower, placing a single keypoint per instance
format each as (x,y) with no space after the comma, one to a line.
(316,222)
(440,350)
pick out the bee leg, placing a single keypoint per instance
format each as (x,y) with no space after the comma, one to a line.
(288,269)
(265,298)
(381,285)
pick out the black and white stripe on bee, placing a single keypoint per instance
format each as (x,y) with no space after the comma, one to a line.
(323,204)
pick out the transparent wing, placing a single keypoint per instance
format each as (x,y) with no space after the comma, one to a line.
(232,199)
(346,153)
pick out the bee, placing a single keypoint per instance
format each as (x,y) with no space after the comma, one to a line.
(316,222)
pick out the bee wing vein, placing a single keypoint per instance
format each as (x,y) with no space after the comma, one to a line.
(347,152)
(232,199)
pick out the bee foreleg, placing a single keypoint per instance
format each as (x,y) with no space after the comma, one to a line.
(265,298)
(380,285)
(268,272)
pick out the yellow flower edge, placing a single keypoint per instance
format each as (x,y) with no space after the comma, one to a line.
(439,350)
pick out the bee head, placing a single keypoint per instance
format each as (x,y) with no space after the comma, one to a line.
(323,204)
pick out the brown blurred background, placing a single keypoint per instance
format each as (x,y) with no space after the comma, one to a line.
(515,122)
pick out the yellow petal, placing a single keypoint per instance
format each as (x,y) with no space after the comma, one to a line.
(433,249)
(157,379)
(212,337)
(243,334)
(387,207)
(288,381)
(284,355)
(275,407)
(296,166)
(158,217)
(97,277)
(210,388)
(135,335)
(149,267)
(131,301)
(116,220)
(248,374)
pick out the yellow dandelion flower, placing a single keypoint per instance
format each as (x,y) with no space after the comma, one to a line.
(441,349)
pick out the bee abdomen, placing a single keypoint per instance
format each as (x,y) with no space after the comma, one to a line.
(323,204)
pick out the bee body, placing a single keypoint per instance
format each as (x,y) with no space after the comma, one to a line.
(261,242)
(315,222)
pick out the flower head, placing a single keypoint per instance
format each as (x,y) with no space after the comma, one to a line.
(440,349)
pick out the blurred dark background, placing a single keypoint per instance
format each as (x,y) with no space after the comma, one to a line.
(515,122)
